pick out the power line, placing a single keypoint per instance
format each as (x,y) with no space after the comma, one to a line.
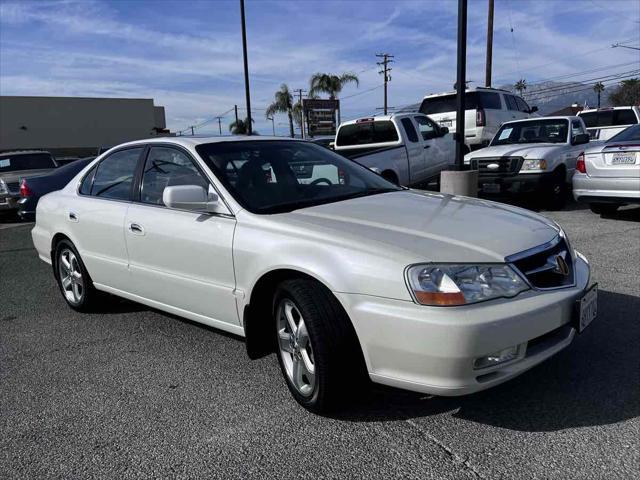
(602,78)
(584,72)
(362,92)
(607,83)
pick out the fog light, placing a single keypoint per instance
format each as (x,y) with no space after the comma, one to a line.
(501,356)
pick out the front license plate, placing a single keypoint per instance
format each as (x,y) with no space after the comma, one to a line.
(623,158)
(491,187)
(587,308)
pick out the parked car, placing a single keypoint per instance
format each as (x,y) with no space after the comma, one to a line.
(14,166)
(325,141)
(486,109)
(604,123)
(608,175)
(32,188)
(405,148)
(344,278)
(535,155)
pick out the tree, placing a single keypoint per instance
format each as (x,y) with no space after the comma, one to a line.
(520,86)
(598,87)
(283,103)
(331,84)
(240,127)
(627,93)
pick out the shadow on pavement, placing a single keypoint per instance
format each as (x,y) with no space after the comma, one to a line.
(595,381)
(630,214)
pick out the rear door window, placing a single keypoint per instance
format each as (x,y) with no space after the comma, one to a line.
(365,133)
(114,175)
(26,161)
(411,131)
(522,105)
(511,102)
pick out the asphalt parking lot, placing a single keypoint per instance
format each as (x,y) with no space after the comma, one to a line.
(135,393)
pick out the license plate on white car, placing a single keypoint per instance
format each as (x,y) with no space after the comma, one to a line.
(623,158)
(587,308)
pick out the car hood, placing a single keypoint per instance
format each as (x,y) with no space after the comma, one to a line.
(525,150)
(423,226)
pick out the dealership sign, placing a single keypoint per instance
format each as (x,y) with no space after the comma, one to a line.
(320,116)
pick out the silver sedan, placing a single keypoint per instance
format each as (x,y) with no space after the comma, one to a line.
(608,175)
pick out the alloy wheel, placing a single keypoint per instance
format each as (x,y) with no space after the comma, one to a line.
(295,349)
(70,277)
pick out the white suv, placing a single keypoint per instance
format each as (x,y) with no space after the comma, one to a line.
(486,110)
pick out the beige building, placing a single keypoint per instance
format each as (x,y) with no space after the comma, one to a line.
(74,126)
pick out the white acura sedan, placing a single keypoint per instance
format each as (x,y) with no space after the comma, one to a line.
(305,253)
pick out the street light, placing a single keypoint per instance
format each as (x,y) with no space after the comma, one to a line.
(273,125)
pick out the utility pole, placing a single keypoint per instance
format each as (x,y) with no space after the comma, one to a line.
(300,91)
(273,125)
(385,71)
(235,107)
(246,68)
(220,124)
(487,81)
(192,134)
(461,83)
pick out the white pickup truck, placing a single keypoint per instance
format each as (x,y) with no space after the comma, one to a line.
(405,148)
(535,155)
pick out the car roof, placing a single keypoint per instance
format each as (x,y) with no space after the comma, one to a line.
(469,90)
(24,152)
(604,109)
(380,118)
(534,119)
(193,141)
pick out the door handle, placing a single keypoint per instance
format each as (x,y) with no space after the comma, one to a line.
(426,146)
(73,217)
(136,229)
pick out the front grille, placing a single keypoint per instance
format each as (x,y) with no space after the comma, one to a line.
(503,166)
(547,266)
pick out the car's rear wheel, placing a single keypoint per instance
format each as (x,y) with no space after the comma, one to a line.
(73,279)
(317,350)
(603,208)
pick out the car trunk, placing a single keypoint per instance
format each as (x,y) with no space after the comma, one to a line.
(13,179)
(615,161)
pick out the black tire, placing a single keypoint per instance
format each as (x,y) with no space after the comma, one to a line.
(604,208)
(90,298)
(556,195)
(340,371)
(390,177)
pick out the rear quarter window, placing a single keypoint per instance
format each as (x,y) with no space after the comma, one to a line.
(490,101)
(367,133)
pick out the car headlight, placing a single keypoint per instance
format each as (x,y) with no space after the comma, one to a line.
(3,187)
(463,284)
(533,164)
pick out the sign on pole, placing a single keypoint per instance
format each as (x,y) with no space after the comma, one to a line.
(320,116)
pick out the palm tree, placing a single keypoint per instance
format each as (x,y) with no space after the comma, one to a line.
(598,87)
(240,127)
(283,103)
(331,84)
(520,86)
(626,93)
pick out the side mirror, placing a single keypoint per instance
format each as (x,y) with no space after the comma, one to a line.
(190,197)
(533,109)
(444,131)
(580,139)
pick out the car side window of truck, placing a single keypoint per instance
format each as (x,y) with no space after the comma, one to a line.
(412,135)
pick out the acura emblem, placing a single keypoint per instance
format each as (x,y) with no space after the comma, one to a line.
(561,265)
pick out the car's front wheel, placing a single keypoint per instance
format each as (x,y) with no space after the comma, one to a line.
(317,347)
(73,279)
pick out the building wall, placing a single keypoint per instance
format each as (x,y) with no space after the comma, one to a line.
(75,126)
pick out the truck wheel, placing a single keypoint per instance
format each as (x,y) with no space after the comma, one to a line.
(603,208)
(318,350)
(556,196)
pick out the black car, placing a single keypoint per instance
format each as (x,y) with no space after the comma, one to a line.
(31,189)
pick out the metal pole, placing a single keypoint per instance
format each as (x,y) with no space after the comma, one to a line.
(235,107)
(487,81)
(192,131)
(220,125)
(461,84)
(302,122)
(246,68)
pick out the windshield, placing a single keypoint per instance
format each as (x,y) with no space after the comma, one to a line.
(26,161)
(532,131)
(630,134)
(280,176)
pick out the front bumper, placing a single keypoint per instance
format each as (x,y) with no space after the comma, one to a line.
(518,183)
(432,349)
(603,189)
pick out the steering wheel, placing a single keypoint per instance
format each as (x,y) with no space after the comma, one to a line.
(321,180)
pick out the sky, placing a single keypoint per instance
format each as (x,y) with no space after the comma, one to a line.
(187,55)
